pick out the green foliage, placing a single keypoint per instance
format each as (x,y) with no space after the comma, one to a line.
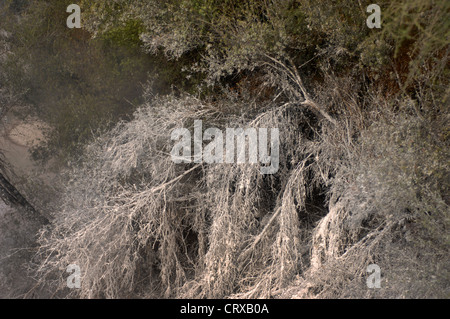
(413,43)
(126,35)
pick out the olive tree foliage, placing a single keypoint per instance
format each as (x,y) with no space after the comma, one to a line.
(140,225)
(233,36)
(227,33)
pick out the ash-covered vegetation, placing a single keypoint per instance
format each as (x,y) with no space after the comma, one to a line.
(364,127)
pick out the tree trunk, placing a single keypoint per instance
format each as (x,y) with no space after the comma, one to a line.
(12,197)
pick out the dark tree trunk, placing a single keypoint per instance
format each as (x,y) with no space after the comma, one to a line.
(12,197)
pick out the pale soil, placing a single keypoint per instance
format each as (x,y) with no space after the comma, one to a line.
(16,138)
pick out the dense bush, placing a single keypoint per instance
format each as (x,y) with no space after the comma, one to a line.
(216,230)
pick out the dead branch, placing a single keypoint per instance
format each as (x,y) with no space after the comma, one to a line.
(293,74)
